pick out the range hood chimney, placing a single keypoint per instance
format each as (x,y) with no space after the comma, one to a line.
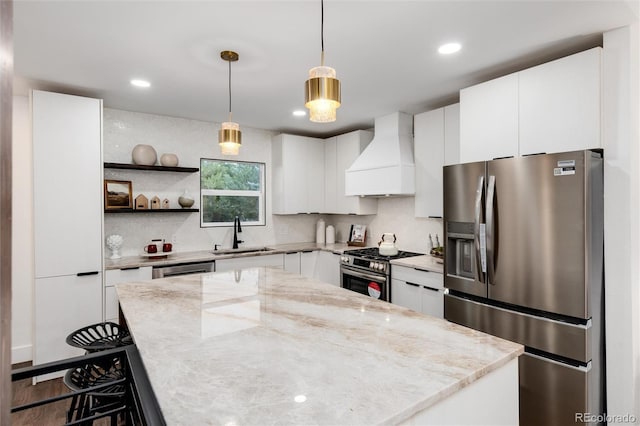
(386,166)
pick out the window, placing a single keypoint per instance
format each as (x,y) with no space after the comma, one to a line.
(229,189)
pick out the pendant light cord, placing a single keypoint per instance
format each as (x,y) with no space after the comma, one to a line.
(230,91)
(322,32)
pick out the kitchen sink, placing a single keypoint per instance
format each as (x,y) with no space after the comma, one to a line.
(242,250)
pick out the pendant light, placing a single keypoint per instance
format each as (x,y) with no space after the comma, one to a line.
(229,135)
(322,90)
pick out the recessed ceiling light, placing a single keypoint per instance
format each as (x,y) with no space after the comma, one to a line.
(300,398)
(447,49)
(299,113)
(140,83)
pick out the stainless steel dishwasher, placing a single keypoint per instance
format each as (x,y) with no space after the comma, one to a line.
(182,269)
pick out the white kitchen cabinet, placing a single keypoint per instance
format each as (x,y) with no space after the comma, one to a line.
(298,174)
(331,172)
(67,183)
(328,268)
(552,107)
(292,262)
(418,289)
(308,260)
(436,144)
(406,294)
(117,276)
(560,104)
(275,260)
(348,148)
(63,305)
(489,120)
(301,262)
(67,205)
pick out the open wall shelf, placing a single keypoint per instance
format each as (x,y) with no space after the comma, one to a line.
(154,168)
(151,211)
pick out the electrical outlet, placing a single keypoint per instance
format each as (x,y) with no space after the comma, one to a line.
(174,239)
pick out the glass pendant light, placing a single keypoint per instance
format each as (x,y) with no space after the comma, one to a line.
(322,90)
(229,135)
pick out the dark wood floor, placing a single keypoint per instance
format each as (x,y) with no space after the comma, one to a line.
(49,415)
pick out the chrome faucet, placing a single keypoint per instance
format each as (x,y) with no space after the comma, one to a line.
(237,229)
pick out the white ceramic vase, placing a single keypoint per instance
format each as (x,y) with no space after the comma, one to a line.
(185,200)
(169,160)
(144,155)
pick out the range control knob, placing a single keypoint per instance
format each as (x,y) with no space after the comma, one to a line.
(381,266)
(373,265)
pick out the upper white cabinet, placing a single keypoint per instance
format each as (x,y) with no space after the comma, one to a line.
(309,174)
(553,107)
(436,144)
(298,174)
(489,120)
(67,206)
(331,193)
(560,104)
(348,148)
(67,183)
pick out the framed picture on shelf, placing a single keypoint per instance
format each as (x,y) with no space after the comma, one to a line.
(357,235)
(117,194)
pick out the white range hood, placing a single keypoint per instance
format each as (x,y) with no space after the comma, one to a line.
(385,167)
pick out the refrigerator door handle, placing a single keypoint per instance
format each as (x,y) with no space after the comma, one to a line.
(491,186)
(477,231)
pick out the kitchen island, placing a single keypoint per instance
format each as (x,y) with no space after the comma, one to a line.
(264,346)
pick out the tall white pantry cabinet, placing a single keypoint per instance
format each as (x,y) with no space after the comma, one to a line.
(67,202)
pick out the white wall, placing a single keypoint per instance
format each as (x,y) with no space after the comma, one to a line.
(190,140)
(22,229)
(621,139)
(395,215)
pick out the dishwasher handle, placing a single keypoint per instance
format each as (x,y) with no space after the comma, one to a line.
(182,269)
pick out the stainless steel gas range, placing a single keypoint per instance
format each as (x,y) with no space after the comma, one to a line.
(367,272)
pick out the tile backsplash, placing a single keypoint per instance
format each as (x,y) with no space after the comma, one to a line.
(191,140)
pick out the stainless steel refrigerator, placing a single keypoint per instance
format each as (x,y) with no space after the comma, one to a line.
(524,261)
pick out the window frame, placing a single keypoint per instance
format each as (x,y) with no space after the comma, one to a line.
(261,194)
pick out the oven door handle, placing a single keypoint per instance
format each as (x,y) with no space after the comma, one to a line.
(376,278)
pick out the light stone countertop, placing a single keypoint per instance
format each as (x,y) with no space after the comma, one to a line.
(239,347)
(208,255)
(426,262)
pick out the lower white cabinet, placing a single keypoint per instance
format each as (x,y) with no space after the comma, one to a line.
(230,264)
(117,276)
(328,267)
(418,289)
(62,305)
(308,259)
(301,262)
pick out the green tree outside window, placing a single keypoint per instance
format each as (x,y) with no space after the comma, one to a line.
(229,189)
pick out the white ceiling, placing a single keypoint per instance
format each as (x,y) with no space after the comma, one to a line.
(384,52)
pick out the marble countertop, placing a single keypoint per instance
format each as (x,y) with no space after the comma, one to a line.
(264,346)
(426,262)
(208,255)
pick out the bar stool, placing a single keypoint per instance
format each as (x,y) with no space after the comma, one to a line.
(100,336)
(110,398)
(94,338)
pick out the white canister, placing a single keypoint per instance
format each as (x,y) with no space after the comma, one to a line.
(330,235)
(320,232)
